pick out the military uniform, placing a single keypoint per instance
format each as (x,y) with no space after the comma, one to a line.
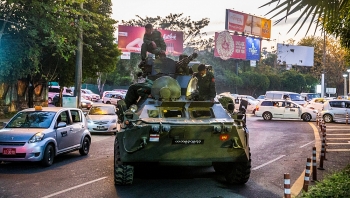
(206,86)
(136,91)
(156,36)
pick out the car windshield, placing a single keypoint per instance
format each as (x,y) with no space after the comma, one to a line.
(102,110)
(311,96)
(261,97)
(296,97)
(32,119)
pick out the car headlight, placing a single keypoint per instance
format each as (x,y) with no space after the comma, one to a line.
(36,138)
(83,103)
(114,121)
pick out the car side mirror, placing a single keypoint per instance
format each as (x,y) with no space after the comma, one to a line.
(85,113)
(61,124)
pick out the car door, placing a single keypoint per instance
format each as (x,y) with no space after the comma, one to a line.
(63,134)
(338,109)
(277,109)
(291,110)
(77,126)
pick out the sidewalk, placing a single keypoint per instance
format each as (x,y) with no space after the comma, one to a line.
(337,150)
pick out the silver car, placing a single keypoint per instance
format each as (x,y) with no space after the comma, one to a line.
(103,118)
(41,133)
(336,110)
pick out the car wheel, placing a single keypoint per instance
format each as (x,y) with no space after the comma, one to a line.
(49,155)
(49,100)
(108,102)
(85,147)
(267,116)
(328,118)
(306,117)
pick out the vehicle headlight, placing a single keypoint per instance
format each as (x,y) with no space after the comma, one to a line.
(91,103)
(83,103)
(114,121)
(36,138)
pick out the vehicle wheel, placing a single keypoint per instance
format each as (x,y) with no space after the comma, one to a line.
(123,174)
(108,102)
(49,155)
(328,118)
(306,117)
(239,173)
(267,116)
(49,100)
(85,147)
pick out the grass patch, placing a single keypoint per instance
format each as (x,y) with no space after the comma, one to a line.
(336,185)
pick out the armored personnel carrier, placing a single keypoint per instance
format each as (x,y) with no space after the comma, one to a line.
(169,127)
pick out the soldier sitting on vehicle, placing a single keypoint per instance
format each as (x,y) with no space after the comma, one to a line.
(205,84)
(138,91)
(153,42)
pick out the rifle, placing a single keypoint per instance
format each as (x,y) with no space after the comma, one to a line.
(184,62)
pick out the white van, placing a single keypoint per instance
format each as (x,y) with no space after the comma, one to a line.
(286,95)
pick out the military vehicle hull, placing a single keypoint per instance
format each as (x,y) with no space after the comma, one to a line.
(170,127)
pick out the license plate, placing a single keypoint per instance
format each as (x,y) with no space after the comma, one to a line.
(195,141)
(100,127)
(9,151)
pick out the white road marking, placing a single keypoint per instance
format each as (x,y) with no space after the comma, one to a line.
(339,143)
(327,129)
(338,138)
(78,186)
(331,150)
(306,144)
(269,162)
(328,134)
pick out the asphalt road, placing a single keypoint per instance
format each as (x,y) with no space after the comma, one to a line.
(277,147)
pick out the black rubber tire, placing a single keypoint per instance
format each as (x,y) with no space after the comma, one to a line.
(85,147)
(239,173)
(267,116)
(49,155)
(327,118)
(306,117)
(123,174)
(108,102)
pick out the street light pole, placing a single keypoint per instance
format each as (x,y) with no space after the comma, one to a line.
(345,75)
(79,61)
(348,70)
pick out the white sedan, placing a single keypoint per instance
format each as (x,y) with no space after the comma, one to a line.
(102,118)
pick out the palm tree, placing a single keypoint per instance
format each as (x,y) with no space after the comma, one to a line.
(333,16)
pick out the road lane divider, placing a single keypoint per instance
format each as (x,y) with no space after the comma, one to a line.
(74,187)
(269,162)
(298,184)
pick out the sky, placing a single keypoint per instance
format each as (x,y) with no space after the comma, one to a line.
(215,11)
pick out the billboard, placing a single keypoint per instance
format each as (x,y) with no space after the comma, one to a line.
(247,24)
(130,39)
(295,55)
(237,47)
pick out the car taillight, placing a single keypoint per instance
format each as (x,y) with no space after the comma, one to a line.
(224,137)
(257,108)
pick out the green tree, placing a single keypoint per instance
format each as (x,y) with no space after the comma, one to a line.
(293,81)
(253,82)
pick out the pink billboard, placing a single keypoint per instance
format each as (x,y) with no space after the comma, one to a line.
(130,39)
(247,24)
(229,46)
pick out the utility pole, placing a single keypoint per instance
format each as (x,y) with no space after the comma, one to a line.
(79,61)
(324,64)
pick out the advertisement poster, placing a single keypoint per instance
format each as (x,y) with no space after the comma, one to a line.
(252,48)
(237,47)
(247,24)
(130,39)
